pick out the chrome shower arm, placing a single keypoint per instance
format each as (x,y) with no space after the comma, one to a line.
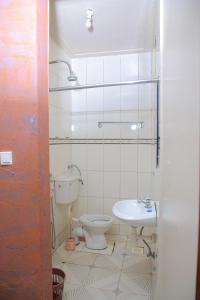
(62,61)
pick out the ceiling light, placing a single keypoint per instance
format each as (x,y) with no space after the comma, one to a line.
(89,20)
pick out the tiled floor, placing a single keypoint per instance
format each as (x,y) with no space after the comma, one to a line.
(121,276)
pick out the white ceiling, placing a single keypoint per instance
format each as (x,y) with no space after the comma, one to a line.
(119,25)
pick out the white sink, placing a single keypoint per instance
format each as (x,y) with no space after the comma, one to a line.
(134,213)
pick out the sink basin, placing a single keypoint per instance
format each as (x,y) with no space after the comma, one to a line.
(134,213)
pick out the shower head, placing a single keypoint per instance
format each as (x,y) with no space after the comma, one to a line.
(72,76)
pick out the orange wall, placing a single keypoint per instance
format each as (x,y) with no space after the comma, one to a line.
(25,250)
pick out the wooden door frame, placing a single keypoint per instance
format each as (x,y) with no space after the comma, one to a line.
(25,226)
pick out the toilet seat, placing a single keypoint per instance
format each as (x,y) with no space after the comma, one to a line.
(96,220)
(94,227)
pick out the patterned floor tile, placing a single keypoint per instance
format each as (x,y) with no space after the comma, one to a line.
(75,274)
(137,264)
(62,253)
(104,279)
(120,276)
(87,293)
(112,262)
(82,258)
(56,260)
(136,284)
(131,296)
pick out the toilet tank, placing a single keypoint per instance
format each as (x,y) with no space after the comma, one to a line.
(67,188)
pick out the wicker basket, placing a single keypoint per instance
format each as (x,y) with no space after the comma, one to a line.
(58,278)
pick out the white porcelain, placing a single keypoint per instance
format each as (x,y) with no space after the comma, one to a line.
(135,213)
(94,228)
(67,188)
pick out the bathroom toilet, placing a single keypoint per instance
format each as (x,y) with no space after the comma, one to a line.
(94,227)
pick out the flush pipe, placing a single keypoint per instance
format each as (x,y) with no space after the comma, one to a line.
(78,169)
(150,252)
(53,229)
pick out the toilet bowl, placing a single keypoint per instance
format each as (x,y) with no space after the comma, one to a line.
(94,228)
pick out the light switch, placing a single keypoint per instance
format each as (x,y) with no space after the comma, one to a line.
(6,158)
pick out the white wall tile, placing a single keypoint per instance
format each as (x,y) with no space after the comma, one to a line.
(147,97)
(115,229)
(129,185)
(60,158)
(95,157)
(84,186)
(95,99)
(145,66)
(79,126)
(79,156)
(112,98)
(111,184)
(79,67)
(129,97)
(79,101)
(111,130)
(112,68)
(52,132)
(95,205)
(94,70)
(110,172)
(145,158)
(147,132)
(129,67)
(95,184)
(80,207)
(129,158)
(108,204)
(93,131)
(144,185)
(126,131)
(112,158)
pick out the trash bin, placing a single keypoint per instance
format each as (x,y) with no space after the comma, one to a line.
(58,278)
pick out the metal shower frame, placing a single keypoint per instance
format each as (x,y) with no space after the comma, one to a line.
(124,83)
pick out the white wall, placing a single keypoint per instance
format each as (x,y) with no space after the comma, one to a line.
(59,126)
(180,33)
(113,172)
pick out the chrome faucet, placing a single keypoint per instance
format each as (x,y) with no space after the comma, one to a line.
(146,201)
(78,169)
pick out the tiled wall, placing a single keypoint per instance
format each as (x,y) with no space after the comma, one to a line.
(60,126)
(120,171)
